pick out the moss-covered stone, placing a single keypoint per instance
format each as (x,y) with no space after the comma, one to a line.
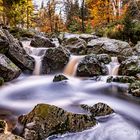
(45,120)
(134,88)
(130,67)
(59,77)
(121,79)
(99,109)
(93,65)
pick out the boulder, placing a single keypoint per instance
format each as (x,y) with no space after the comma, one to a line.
(121,79)
(10,137)
(1,81)
(75,45)
(87,37)
(19,56)
(92,65)
(55,59)
(99,109)
(41,41)
(8,70)
(59,77)
(109,46)
(46,120)
(134,88)
(2,126)
(137,49)
(15,52)
(130,67)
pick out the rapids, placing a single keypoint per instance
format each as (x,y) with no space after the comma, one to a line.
(21,95)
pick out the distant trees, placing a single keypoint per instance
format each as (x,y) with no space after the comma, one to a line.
(16,12)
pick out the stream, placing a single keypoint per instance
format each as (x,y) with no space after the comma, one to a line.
(21,95)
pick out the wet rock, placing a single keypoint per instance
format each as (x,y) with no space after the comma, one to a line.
(59,77)
(46,120)
(2,126)
(55,59)
(130,67)
(91,65)
(16,53)
(109,46)
(3,46)
(87,37)
(8,70)
(19,56)
(41,41)
(99,109)
(1,81)
(10,137)
(75,45)
(121,79)
(104,58)
(137,48)
(134,88)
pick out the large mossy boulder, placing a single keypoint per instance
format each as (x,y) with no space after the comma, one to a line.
(93,65)
(8,70)
(41,41)
(109,46)
(130,67)
(46,120)
(75,45)
(55,59)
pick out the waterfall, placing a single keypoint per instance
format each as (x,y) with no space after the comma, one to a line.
(37,54)
(113,66)
(71,67)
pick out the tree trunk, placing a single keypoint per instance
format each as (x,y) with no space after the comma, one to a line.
(83,16)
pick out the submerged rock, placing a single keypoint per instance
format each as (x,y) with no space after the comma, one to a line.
(99,109)
(40,41)
(1,81)
(59,77)
(75,45)
(130,67)
(55,59)
(121,79)
(93,65)
(109,46)
(46,120)
(10,137)
(8,70)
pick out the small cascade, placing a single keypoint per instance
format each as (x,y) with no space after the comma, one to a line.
(113,66)
(71,67)
(37,54)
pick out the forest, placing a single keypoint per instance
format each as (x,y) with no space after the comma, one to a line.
(113,18)
(69,69)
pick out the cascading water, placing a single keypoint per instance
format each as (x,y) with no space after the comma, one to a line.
(113,66)
(37,54)
(71,67)
(22,95)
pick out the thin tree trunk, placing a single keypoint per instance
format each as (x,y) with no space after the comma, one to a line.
(83,16)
